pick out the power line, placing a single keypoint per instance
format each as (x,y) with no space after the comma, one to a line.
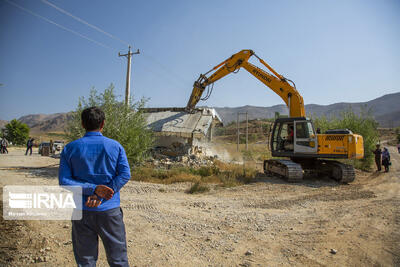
(163,67)
(58,25)
(84,22)
(162,75)
(166,69)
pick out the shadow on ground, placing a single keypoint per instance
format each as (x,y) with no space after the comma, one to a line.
(47,173)
(314,182)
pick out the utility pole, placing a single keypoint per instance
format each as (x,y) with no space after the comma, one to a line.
(128,73)
(238,133)
(247,130)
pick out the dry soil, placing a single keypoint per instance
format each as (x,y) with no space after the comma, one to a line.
(267,223)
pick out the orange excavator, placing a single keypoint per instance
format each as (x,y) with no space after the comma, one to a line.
(294,137)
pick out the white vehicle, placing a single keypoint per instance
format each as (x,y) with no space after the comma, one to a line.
(58,146)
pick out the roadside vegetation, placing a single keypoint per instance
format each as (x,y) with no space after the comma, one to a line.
(126,124)
(16,132)
(198,188)
(363,124)
(222,174)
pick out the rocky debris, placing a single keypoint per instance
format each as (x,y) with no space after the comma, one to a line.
(249,253)
(192,160)
(174,150)
(35,258)
(333,251)
(68,243)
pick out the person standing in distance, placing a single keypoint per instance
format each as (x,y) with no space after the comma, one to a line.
(99,165)
(386,159)
(29,146)
(378,157)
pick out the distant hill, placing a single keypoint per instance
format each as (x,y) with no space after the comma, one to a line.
(3,123)
(230,114)
(379,107)
(385,109)
(389,120)
(46,123)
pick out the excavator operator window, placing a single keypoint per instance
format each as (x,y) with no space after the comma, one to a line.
(301,130)
(283,137)
(284,131)
(289,139)
(304,130)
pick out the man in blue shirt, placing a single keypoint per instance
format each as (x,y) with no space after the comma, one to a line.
(99,165)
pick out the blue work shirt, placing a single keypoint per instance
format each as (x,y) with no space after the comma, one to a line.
(95,160)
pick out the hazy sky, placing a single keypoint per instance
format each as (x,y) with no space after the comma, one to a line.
(335,51)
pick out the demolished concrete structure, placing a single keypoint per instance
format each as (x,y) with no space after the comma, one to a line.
(181,133)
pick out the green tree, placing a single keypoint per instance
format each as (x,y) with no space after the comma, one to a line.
(125,124)
(363,124)
(16,132)
(397,134)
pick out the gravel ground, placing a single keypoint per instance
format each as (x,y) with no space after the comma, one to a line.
(267,223)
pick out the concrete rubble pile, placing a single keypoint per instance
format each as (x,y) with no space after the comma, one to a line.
(183,161)
(180,137)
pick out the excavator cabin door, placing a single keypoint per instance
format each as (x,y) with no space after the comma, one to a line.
(305,139)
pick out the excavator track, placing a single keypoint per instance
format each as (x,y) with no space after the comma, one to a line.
(293,172)
(289,170)
(343,173)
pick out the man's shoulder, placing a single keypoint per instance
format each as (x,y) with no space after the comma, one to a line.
(72,144)
(111,142)
(107,142)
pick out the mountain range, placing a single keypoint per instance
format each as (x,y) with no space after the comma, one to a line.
(385,109)
(39,123)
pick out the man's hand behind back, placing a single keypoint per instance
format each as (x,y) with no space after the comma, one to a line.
(93,201)
(103,191)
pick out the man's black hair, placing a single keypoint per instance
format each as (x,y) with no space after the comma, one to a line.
(92,118)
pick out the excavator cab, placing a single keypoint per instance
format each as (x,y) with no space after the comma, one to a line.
(292,137)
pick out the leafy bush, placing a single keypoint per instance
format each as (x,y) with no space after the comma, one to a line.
(126,124)
(219,131)
(398,134)
(363,124)
(197,188)
(16,132)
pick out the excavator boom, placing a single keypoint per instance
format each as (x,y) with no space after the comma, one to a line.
(275,81)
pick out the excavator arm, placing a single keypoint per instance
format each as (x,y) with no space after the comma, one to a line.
(275,82)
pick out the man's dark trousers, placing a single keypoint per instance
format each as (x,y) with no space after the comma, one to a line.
(29,148)
(378,164)
(109,225)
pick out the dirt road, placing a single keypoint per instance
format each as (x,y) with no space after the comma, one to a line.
(266,223)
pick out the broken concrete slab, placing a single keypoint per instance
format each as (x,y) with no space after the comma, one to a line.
(178,122)
(179,132)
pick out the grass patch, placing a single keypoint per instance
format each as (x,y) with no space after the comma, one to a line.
(198,188)
(223,174)
(56,135)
